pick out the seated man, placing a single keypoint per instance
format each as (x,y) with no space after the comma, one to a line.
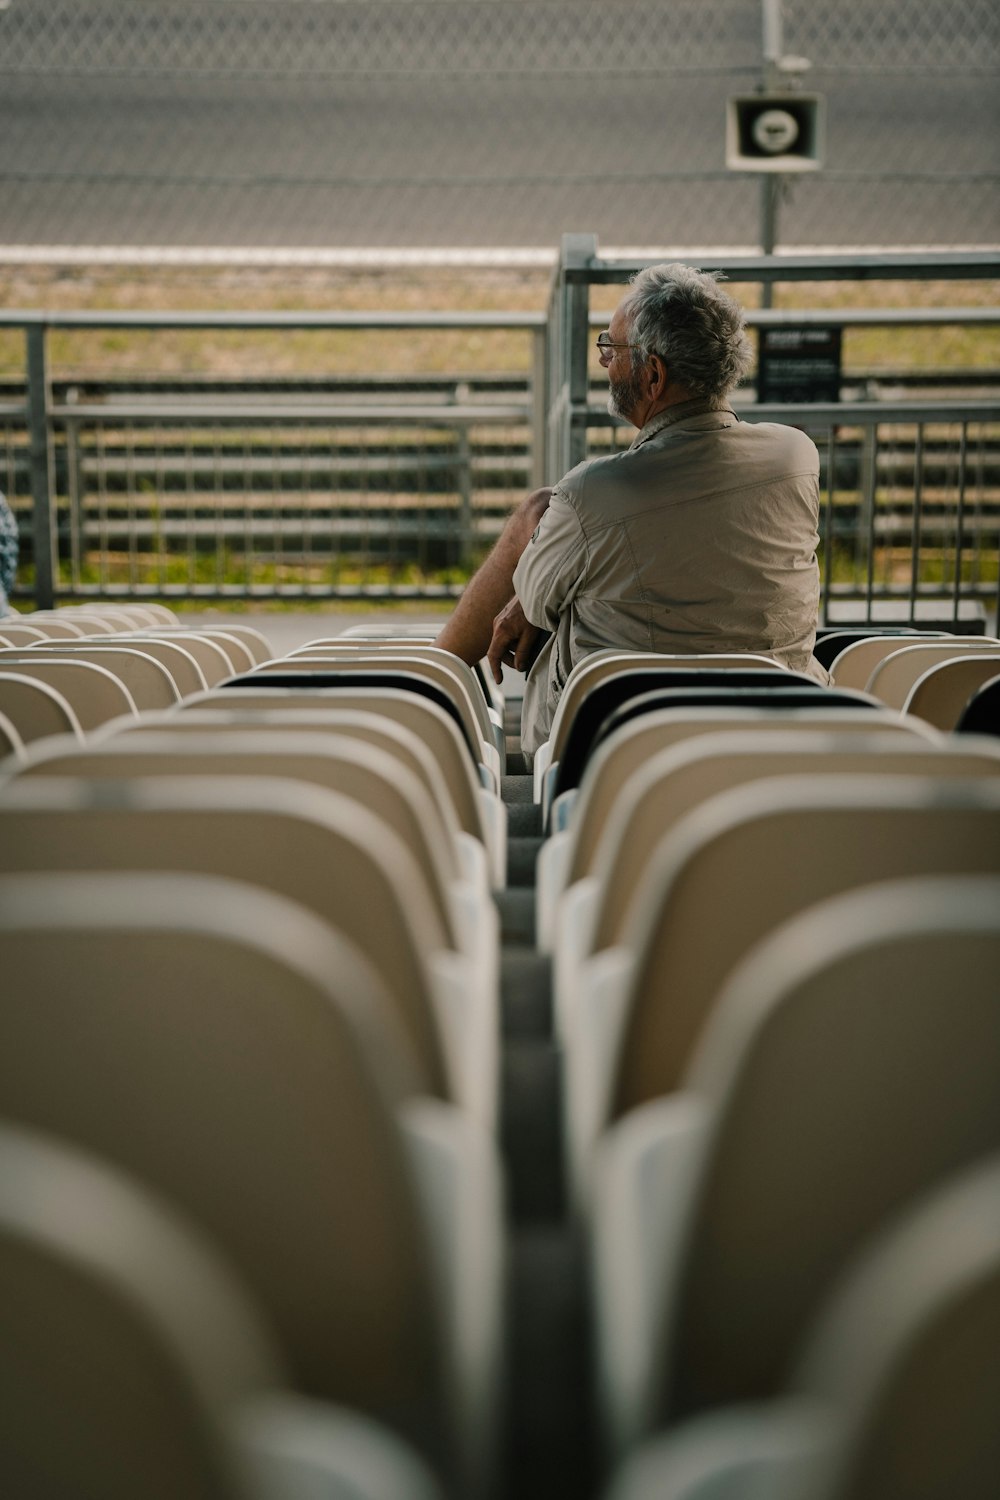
(700,537)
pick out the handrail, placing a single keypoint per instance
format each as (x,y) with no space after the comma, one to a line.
(938,265)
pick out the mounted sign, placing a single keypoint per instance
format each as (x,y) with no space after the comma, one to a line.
(799,364)
(773,132)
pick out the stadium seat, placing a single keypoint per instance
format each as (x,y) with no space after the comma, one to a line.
(94,693)
(849,1066)
(314,846)
(479,808)
(981,715)
(940,696)
(881,1407)
(150,684)
(739,865)
(220,1044)
(893,678)
(853,668)
(581,815)
(600,666)
(366,773)
(34,708)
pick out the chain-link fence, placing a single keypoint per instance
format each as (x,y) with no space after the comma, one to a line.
(495,123)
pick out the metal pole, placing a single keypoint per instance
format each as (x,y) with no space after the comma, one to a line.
(772,50)
(43,529)
(770,190)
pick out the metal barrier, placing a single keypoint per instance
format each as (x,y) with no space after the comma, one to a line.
(911,491)
(266,494)
(278,492)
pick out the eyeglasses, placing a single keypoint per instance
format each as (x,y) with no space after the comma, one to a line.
(606,347)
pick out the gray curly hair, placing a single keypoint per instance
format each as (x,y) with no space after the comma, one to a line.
(696,328)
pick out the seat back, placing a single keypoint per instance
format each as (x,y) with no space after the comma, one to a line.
(940,696)
(830,643)
(34,708)
(441,674)
(279,675)
(94,693)
(981,715)
(676,781)
(850,1066)
(430,722)
(617,759)
(11,742)
(127,1344)
(894,676)
(149,683)
(719,685)
(854,666)
(222,1045)
(360,725)
(750,858)
(365,774)
(212,652)
(597,668)
(315,847)
(907,1352)
(178,660)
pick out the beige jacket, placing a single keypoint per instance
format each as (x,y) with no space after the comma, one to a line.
(700,537)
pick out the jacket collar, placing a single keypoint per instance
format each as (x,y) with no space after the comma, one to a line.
(699,407)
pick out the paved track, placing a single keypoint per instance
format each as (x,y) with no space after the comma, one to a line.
(505,144)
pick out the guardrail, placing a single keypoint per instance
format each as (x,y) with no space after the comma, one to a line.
(882,543)
(72,451)
(306,493)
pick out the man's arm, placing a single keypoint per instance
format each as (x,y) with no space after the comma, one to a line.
(470,630)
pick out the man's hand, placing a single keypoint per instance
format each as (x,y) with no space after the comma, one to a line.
(513,642)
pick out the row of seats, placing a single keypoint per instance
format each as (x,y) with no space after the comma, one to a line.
(253,956)
(251,953)
(773,910)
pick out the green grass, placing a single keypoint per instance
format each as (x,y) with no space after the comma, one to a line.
(106,353)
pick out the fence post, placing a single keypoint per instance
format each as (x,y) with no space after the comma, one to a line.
(577,250)
(539,403)
(43,529)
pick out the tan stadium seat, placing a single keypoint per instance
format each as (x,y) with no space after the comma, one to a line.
(940,696)
(446,671)
(237,1055)
(134,1363)
(96,694)
(11,742)
(580,815)
(367,773)
(599,666)
(594,913)
(179,661)
(738,865)
(34,708)
(14,635)
(216,658)
(894,677)
(315,846)
(149,682)
(848,1067)
(364,727)
(854,666)
(45,627)
(478,806)
(406,646)
(92,623)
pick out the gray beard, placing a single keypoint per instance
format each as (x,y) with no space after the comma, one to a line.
(623,396)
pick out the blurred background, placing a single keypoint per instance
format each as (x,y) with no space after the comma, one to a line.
(421,124)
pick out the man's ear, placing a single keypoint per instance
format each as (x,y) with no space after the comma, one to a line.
(658,375)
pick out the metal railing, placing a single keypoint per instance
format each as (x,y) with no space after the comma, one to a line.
(267,493)
(308,490)
(910,491)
